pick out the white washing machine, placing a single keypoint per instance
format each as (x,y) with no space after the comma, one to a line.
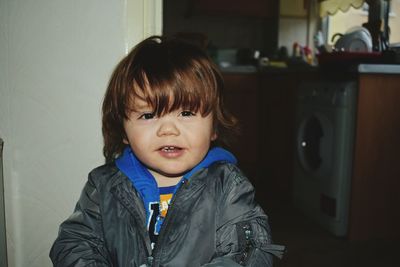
(325,123)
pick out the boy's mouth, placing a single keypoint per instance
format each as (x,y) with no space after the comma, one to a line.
(170,149)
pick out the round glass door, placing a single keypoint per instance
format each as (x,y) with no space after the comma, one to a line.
(314,143)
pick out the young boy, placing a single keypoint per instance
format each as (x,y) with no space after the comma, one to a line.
(168,195)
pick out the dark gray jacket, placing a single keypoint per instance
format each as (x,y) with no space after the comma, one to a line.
(213,221)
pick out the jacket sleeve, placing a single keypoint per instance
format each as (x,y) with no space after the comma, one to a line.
(243,233)
(80,239)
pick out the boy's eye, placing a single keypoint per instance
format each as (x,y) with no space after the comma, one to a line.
(146,116)
(187,113)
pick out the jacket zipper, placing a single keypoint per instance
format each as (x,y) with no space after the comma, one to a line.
(132,204)
(143,235)
(155,257)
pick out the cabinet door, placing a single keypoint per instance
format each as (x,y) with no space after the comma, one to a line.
(254,8)
(375,193)
(241,99)
(278,92)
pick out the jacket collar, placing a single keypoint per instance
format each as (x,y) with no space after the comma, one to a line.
(146,185)
(144,181)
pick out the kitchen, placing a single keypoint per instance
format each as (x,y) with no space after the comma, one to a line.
(356,197)
(57,56)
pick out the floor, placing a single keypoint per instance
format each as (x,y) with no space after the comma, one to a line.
(308,245)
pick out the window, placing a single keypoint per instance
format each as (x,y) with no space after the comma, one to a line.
(341,21)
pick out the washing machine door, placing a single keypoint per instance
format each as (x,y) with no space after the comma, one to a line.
(314,144)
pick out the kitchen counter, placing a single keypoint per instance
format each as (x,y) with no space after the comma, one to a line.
(379,68)
(238,69)
(360,68)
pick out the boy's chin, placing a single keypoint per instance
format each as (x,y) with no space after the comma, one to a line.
(169,174)
(172,175)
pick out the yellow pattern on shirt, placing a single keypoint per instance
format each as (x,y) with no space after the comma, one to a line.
(165,199)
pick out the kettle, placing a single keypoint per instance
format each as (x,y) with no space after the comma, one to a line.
(356,39)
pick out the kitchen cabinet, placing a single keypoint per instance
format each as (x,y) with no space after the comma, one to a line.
(264,103)
(375,193)
(253,8)
(278,130)
(293,8)
(242,99)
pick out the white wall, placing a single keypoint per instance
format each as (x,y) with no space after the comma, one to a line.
(292,30)
(294,22)
(55,60)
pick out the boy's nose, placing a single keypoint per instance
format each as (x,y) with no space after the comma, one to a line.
(167,127)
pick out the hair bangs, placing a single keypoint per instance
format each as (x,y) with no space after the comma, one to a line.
(187,86)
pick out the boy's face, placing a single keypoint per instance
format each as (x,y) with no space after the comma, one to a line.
(169,145)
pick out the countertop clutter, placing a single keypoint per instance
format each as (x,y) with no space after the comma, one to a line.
(252,61)
(329,62)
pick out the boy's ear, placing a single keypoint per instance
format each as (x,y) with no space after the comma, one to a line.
(214,136)
(125,140)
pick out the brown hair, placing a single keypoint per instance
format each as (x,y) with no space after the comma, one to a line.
(168,74)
